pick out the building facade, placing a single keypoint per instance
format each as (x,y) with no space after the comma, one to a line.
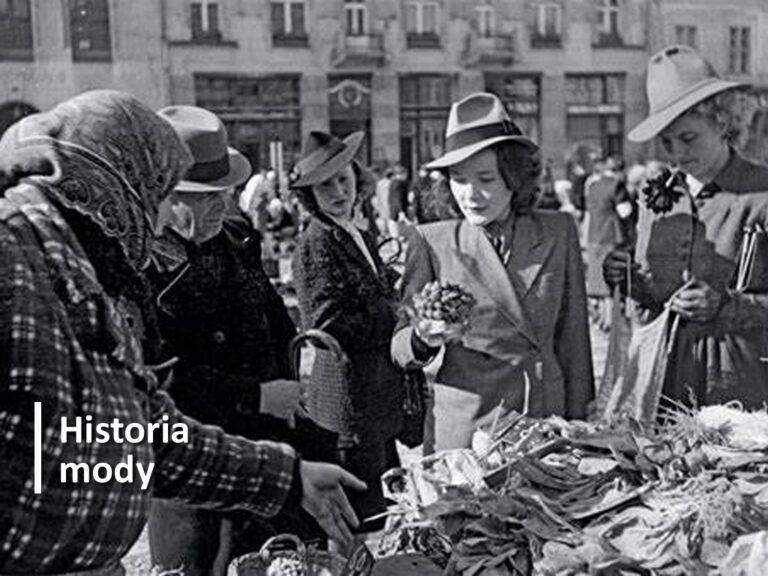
(571,72)
(51,50)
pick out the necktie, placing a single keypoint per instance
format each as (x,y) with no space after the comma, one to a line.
(495,233)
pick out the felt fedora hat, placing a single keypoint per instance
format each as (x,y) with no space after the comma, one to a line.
(323,155)
(216,166)
(474,123)
(678,78)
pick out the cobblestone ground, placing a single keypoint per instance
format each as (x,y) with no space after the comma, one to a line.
(137,561)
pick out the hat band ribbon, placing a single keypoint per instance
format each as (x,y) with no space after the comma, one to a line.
(208,171)
(472,136)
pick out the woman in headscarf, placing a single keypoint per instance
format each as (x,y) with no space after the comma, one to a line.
(81,186)
(344,290)
(526,346)
(693,232)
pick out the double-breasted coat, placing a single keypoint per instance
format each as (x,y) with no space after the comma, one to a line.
(529,322)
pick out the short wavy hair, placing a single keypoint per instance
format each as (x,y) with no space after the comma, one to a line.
(730,111)
(365,186)
(520,166)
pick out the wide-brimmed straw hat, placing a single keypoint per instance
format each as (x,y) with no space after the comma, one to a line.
(217,166)
(474,123)
(678,78)
(322,156)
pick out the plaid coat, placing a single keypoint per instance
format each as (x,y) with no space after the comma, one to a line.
(66,343)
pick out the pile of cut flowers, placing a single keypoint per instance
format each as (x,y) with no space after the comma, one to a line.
(686,495)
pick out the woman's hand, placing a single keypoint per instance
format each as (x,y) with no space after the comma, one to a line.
(324,498)
(696,301)
(435,333)
(619,269)
(284,399)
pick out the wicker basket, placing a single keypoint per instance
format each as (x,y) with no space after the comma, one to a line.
(313,562)
(329,402)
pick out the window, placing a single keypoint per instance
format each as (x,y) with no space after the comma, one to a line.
(686,35)
(485,21)
(288,23)
(549,22)
(421,17)
(15,30)
(739,53)
(608,19)
(421,24)
(204,21)
(356,17)
(595,112)
(89,25)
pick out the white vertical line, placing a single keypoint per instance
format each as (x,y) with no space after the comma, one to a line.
(38,447)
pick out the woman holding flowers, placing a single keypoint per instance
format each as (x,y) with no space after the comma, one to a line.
(525,344)
(701,241)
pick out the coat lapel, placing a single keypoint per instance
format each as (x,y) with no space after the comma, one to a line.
(350,247)
(531,248)
(476,253)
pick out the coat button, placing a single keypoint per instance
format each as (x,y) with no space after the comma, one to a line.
(219,337)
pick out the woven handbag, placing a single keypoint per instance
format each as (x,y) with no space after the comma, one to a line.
(329,402)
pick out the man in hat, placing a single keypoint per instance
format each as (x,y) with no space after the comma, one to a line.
(221,318)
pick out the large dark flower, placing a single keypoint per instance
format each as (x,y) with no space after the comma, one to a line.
(662,192)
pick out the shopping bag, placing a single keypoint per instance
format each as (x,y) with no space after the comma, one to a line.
(638,391)
(619,338)
(329,401)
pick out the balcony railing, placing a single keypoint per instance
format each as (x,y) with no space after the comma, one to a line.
(498,49)
(360,49)
(420,40)
(546,40)
(609,40)
(282,40)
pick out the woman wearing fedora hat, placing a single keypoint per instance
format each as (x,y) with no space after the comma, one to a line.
(704,254)
(344,289)
(526,347)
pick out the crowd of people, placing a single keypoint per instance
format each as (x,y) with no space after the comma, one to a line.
(135,251)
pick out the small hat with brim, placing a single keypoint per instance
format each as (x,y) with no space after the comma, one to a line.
(216,166)
(678,78)
(474,123)
(322,156)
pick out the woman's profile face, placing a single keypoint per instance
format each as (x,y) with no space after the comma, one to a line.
(336,195)
(479,189)
(696,145)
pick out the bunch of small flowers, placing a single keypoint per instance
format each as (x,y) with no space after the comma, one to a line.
(443,301)
(662,192)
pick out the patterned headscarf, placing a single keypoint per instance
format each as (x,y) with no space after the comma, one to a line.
(104,155)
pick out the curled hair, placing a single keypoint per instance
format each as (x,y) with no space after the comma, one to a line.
(730,111)
(365,187)
(520,168)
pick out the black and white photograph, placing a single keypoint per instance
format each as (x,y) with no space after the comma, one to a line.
(383,287)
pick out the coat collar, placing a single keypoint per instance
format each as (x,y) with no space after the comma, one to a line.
(348,244)
(741,175)
(509,286)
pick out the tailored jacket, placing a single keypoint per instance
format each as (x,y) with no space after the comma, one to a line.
(529,323)
(221,317)
(340,293)
(726,358)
